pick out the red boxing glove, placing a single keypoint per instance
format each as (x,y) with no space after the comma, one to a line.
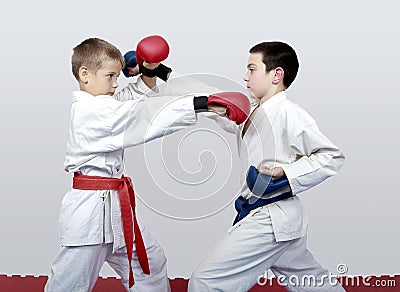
(237,105)
(152,49)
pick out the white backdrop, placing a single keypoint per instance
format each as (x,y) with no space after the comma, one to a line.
(349,60)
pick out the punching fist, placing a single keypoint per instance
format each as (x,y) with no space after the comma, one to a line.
(131,68)
(153,49)
(130,64)
(237,105)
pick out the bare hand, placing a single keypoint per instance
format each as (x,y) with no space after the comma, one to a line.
(275,172)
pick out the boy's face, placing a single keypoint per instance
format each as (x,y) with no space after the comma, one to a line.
(102,82)
(258,81)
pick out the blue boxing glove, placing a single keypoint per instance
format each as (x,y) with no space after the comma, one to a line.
(261,184)
(130,63)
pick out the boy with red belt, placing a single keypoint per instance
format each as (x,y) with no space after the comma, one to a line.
(98,220)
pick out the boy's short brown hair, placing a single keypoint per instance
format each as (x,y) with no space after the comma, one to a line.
(92,53)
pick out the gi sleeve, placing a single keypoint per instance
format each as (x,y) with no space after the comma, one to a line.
(316,159)
(105,124)
(135,90)
(226,124)
(139,121)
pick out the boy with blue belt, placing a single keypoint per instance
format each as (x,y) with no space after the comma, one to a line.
(284,142)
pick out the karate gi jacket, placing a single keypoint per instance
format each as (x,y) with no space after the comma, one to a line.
(282,134)
(100,128)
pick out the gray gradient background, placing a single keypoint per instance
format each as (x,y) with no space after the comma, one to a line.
(349,54)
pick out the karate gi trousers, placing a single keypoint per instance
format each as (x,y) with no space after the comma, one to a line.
(76,268)
(248,250)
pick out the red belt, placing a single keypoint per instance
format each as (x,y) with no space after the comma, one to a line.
(127,202)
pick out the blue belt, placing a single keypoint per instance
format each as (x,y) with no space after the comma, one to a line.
(243,207)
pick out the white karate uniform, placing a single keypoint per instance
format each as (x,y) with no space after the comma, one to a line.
(90,220)
(273,236)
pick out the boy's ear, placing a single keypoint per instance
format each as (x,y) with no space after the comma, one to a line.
(83,74)
(279,74)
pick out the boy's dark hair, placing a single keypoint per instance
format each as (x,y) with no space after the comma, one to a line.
(279,54)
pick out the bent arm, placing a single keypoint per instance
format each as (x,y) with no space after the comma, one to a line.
(317,159)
